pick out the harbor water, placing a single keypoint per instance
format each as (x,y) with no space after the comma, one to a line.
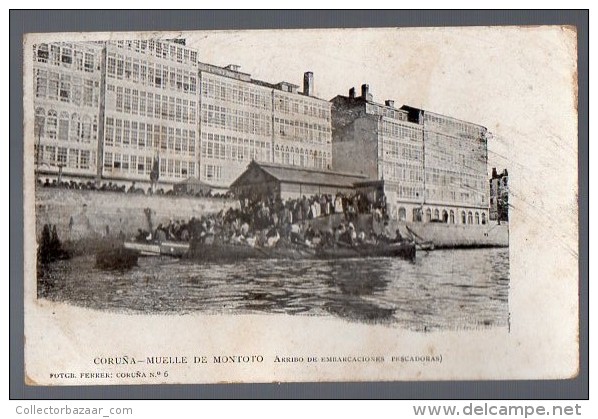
(440,290)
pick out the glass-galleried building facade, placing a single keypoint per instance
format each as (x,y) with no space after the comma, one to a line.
(66,89)
(151,111)
(235,125)
(428,167)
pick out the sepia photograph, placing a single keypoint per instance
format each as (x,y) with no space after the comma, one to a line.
(364,204)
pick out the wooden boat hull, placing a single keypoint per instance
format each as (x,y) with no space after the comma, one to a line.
(401,250)
(231,253)
(175,249)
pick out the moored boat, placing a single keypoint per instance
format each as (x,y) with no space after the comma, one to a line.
(167,248)
(222,252)
(230,253)
(405,250)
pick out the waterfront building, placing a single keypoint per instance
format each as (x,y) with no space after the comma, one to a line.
(67,109)
(499,195)
(111,111)
(267,180)
(429,167)
(150,111)
(243,119)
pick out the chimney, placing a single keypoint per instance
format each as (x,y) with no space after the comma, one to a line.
(308,83)
(352,93)
(390,103)
(233,67)
(365,92)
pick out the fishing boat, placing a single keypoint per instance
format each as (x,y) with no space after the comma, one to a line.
(405,250)
(166,248)
(230,253)
(223,252)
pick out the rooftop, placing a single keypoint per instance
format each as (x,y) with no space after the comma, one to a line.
(296,174)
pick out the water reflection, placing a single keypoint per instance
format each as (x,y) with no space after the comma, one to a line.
(445,289)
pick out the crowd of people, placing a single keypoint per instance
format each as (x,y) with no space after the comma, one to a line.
(132,189)
(268,223)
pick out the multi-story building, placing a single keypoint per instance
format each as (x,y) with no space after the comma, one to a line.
(428,167)
(235,123)
(67,106)
(150,111)
(302,133)
(499,195)
(243,119)
(110,110)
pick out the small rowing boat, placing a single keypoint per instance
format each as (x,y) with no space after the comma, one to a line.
(167,248)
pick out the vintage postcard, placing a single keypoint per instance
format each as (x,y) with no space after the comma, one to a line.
(382,204)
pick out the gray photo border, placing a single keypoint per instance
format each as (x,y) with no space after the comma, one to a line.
(22,22)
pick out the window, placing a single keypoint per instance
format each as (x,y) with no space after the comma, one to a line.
(118,132)
(53,85)
(178,140)
(79,60)
(477,218)
(109,136)
(49,155)
(75,128)
(67,56)
(163,138)
(73,158)
(63,132)
(128,66)
(40,121)
(452,217)
(126,132)
(157,108)
(134,133)
(119,99)
(111,65)
(463,218)
(84,159)
(41,81)
(55,54)
(436,214)
(65,88)
(191,143)
(43,53)
(484,218)
(143,72)
(86,129)
(108,161)
(135,102)
(52,124)
(89,60)
(61,156)
(127,96)
(88,93)
(428,215)
(444,216)
(117,162)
